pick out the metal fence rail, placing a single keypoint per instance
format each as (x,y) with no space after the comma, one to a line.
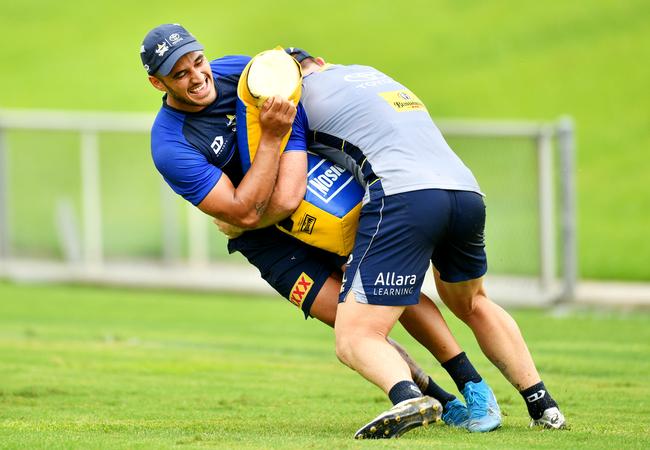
(550,138)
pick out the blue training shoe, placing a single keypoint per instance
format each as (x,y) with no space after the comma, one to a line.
(484,412)
(455,414)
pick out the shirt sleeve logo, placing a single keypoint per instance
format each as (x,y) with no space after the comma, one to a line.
(217,145)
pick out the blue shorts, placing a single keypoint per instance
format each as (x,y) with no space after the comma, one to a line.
(297,271)
(399,234)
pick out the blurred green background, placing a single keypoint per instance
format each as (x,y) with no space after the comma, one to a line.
(465,59)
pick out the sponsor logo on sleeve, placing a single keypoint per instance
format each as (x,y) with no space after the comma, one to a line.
(403,100)
(217,145)
(231,122)
(300,289)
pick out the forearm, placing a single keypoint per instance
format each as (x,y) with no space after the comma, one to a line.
(245,205)
(253,195)
(279,208)
(289,189)
(275,212)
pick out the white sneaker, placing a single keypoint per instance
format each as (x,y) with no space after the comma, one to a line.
(551,419)
(404,416)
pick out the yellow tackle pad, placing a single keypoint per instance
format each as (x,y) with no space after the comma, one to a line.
(328,216)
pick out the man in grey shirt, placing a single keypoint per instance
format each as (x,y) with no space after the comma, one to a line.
(422,205)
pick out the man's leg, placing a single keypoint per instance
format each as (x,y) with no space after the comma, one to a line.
(484,413)
(361,332)
(361,344)
(425,323)
(496,332)
(306,276)
(501,341)
(326,301)
(454,411)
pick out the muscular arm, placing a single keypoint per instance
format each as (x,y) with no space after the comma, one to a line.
(245,205)
(287,195)
(289,189)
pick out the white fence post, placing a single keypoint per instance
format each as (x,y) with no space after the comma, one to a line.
(546,207)
(5,232)
(566,144)
(91,199)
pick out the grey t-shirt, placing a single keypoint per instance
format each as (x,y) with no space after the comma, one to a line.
(390,126)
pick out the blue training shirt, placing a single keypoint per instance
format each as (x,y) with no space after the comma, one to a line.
(191,150)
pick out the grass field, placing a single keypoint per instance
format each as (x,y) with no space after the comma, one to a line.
(88,368)
(497,59)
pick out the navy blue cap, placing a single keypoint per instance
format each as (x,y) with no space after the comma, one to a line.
(298,54)
(164,45)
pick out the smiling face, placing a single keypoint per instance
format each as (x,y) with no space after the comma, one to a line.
(189,85)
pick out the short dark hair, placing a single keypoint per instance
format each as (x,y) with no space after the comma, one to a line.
(298,54)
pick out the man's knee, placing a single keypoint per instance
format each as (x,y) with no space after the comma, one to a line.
(349,339)
(466,303)
(344,347)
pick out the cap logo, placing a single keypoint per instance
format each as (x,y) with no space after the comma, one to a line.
(146,67)
(162,49)
(174,38)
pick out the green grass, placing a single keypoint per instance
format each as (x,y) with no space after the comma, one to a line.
(95,368)
(497,59)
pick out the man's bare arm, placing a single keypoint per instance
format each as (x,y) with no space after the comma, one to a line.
(288,193)
(289,188)
(245,205)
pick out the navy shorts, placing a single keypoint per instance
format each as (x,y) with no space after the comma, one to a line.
(399,234)
(297,271)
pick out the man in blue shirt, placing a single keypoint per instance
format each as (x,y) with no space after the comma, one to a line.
(199,97)
(194,147)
